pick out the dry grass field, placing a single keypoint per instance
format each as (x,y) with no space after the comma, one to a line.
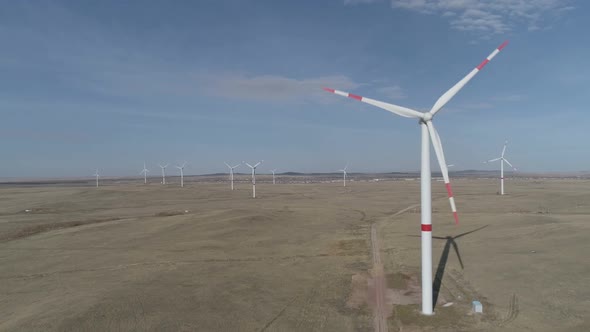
(300,257)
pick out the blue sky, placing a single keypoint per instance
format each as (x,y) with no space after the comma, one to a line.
(109,84)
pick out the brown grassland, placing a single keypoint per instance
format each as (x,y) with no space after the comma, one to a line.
(134,257)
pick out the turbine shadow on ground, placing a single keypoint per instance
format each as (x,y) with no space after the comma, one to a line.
(442,263)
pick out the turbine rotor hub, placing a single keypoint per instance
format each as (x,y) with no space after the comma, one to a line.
(427,117)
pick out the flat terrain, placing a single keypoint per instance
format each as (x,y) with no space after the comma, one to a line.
(300,257)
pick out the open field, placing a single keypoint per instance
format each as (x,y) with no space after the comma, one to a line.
(300,257)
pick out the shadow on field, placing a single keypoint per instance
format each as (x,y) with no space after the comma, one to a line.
(442,263)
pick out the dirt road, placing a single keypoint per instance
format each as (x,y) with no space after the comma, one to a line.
(381,312)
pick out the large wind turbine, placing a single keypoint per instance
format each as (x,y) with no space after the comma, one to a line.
(428,132)
(163,172)
(253,176)
(144,171)
(181,168)
(273,175)
(231,173)
(97,175)
(344,173)
(502,161)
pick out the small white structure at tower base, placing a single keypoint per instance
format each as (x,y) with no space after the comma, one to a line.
(477,307)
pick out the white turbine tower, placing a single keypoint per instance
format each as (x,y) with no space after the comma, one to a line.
(502,161)
(181,168)
(273,175)
(97,175)
(144,171)
(428,132)
(253,176)
(344,173)
(231,173)
(163,172)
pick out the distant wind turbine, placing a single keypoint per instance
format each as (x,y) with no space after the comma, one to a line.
(231,173)
(144,171)
(181,168)
(344,173)
(253,176)
(502,161)
(163,172)
(97,175)
(273,175)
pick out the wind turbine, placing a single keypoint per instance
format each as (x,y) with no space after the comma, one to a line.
(344,173)
(144,171)
(231,173)
(97,175)
(181,168)
(428,132)
(273,175)
(502,161)
(253,176)
(163,172)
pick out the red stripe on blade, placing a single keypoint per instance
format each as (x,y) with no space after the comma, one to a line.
(329,90)
(449,191)
(456,218)
(350,95)
(426,228)
(502,46)
(482,64)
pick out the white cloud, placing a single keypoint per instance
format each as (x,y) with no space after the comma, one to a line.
(485,16)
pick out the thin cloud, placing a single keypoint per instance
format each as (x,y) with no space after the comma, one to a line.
(483,16)
(356,2)
(510,98)
(392,92)
(273,88)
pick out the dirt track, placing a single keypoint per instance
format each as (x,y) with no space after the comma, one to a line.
(135,257)
(381,312)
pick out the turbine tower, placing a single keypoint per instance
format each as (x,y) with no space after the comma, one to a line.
(231,173)
(163,172)
(344,173)
(253,176)
(144,171)
(428,133)
(502,161)
(181,168)
(273,175)
(97,175)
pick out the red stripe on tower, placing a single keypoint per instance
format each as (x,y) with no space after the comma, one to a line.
(426,228)
(482,64)
(350,95)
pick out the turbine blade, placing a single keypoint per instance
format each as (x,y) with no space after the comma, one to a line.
(227,164)
(438,149)
(506,160)
(504,149)
(447,96)
(260,162)
(249,165)
(399,110)
(492,160)
(236,166)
